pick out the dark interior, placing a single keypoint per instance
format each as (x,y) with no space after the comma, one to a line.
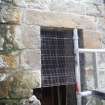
(57,95)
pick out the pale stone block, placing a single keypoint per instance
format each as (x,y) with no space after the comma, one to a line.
(31,36)
(92,10)
(33,17)
(91,39)
(66,6)
(18,37)
(55,19)
(31,59)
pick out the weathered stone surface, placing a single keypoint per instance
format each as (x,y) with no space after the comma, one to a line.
(25,72)
(38,4)
(100,24)
(93,7)
(91,1)
(33,17)
(18,39)
(4,87)
(67,6)
(9,60)
(31,37)
(48,19)
(7,38)
(31,59)
(23,83)
(9,14)
(3,65)
(94,10)
(92,39)
(20,84)
(85,22)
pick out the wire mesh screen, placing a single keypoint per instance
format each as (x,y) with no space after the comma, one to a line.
(88,67)
(57,57)
(92,70)
(92,66)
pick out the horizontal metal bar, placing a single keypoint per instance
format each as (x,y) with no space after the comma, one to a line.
(85,93)
(99,94)
(95,93)
(90,50)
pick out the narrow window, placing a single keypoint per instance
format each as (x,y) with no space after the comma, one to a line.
(57,56)
(58,66)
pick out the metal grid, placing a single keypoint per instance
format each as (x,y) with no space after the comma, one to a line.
(57,57)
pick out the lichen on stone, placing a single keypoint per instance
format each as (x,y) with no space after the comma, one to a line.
(23,83)
(8,62)
(7,35)
(9,13)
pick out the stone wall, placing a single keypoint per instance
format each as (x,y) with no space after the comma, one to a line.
(20,24)
(20,65)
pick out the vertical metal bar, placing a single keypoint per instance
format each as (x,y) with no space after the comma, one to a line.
(95,70)
(77,65)
(66,95)
(59,98)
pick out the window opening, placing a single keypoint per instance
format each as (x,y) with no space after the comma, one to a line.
(57,56)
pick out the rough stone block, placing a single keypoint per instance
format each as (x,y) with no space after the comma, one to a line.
(19,37)
(66,6)
(31,37)
(20,84)
(9,61)
(100,24)
(8,38)
(91,1)
(4,89)
(33,17)
(92,39)
(31,59)
(10,14)
(93,10)
(24,82)
(50,19)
